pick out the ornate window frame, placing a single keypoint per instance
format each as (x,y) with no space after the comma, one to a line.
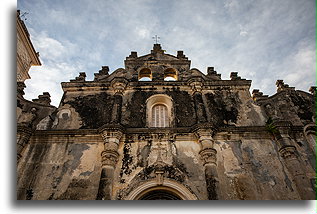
(159,99)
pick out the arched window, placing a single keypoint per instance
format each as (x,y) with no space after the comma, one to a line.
(160,116)
(159,111)
(145,74)
(170,74)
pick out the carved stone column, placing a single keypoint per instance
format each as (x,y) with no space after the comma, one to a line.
(209,156)
(109,158)
(23,135)
(290,156)
(118,86)
(292,162)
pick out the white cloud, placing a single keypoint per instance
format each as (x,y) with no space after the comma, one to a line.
(262,40)
(56,67)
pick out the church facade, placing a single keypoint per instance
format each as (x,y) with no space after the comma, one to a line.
(158,129)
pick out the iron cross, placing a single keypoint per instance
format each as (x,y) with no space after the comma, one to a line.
(156,38)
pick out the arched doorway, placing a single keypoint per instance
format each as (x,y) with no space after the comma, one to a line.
(160,195)
(168,190)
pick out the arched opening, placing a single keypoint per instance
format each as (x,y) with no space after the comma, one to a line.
(145,74)
(168,190)
(170,74)
(160,195)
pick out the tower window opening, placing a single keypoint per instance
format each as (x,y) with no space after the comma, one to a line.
(145,74)
(170,74)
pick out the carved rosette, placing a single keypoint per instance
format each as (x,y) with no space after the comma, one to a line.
(109,158)
(209,156)
(288,152)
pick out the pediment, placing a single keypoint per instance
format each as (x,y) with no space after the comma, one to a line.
(157,57)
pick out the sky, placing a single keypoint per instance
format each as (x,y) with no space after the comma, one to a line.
(263,40)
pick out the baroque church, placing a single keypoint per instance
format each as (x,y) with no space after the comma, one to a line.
(158,129)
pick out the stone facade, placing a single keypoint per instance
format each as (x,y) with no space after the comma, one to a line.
(197,137)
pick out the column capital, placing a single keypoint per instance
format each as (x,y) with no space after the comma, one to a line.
(196,85)
(119,84)
(209,156)
(111,132)
(109,158)
(288,152)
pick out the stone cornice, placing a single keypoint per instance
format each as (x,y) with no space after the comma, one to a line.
(229,129)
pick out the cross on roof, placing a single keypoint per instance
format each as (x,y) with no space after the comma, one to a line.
(156,38)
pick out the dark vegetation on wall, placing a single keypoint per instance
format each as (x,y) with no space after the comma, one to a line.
(223,110)
(94,110)
(183,105)
(304,104)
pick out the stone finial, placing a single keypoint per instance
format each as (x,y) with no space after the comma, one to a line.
(180,55)
(234,76)
(80,78)
(133,54)
(312,90)
(281,86)
(257,94)
(104,72)
(43,99)
(157,49)
(212,73)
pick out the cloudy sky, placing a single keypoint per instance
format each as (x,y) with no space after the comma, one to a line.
(263,40)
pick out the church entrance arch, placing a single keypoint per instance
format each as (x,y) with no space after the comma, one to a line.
(168,190)
(159,194)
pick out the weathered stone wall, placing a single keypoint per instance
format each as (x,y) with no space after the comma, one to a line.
(68,166)
(60,166)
